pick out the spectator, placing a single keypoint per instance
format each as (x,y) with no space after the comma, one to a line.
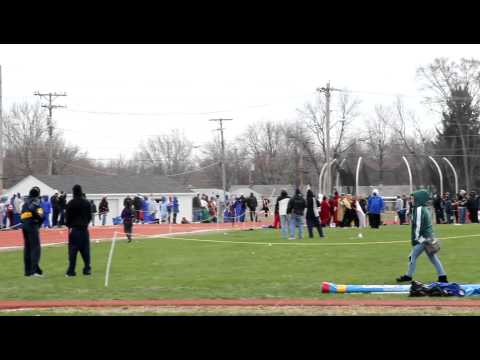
(128,216)
(163,209)
(197,208)
(55,208)
(175,209)
(47,209)
(282,203)
(169,209)
(252,207)
(399,208)
(10,213)
(138,206)
(265,206)
(439,208)
(296,209)
(78,216)
(472,207)
(62,204)
(212,209)
(325,212)
(375,207)
(362,223)
(341,211)
(313,214)
(334,205)
(448,207)
(93,208)
(353,211)
(146,210)
(103,210)
(17,209)
(3,212)
(461,206)
(405,209)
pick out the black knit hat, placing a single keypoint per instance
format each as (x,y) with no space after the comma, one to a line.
(34,192)
(77,190)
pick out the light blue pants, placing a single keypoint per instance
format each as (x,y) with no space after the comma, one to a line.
(296,221)
(104,219)
(416,252)
(284,225)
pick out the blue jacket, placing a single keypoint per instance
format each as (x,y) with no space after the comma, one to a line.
(175,205)
(46,206)
(376,204)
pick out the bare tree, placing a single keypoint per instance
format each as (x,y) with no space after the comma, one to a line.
(378,136)
(166,154)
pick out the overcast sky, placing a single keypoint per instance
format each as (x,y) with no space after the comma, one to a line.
(154,88)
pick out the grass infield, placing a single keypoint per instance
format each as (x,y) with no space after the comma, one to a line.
(242,264)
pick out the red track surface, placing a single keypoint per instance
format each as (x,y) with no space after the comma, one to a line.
(14,238)
(237,302)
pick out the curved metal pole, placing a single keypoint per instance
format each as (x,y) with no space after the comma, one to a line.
(357,173)
(337,178)
(454,173)
(409,173)
(439,173)
(325,180)
(320,179)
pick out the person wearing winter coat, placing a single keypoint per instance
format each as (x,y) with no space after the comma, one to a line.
(78,215)
(138,207)
(62,205)
(93,208)
(312,215)
(282,204)
(252,207)
(296,210)
(103,210)
(55,208)
(448,208)
(163,209)
(175,209)
(325,212)
(47,209)
(17,208)
(362,221)
(31,216)
(243,208)
(376,205)
(128,216)
(421,234)
(439,207)
(169,209)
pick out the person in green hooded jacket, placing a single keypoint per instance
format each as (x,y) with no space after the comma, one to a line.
(421,230)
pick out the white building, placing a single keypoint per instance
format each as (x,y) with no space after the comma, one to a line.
(116,188)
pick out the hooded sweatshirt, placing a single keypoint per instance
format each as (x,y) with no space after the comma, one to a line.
(421,217)
(79,211)
(282,203)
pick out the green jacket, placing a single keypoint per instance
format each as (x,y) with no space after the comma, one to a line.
(421,217)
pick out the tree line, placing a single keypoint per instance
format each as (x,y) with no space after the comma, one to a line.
(294,151)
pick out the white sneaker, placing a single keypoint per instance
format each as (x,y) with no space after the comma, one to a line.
(291,238)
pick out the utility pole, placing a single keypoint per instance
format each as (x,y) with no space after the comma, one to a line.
(224,173)
(1,134)
(50,97)
(327,91)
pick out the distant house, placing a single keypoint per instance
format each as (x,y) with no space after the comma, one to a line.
(116,188)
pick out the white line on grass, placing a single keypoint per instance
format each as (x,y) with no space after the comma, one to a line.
(291,243)
(109,262)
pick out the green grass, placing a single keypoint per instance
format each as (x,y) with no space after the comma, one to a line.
(181,269)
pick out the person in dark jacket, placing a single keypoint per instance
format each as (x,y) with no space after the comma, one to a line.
(439,207)
(197,208)
(472,207)
(55,208)
(32,218)
(78,216)
(138,207)
(128,215)
(252,207)
(313,214)
(103,210)
(94,211)
(62,204)
(296,209)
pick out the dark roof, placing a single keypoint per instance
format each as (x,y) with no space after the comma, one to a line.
(109,184)
(266,190)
